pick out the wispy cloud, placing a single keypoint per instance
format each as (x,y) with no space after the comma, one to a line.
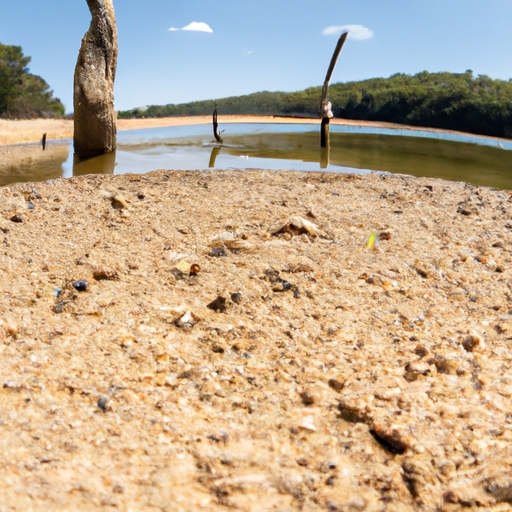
(356,32)
(195,26)
(247,52)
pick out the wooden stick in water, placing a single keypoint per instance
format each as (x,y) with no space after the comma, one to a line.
(326,105)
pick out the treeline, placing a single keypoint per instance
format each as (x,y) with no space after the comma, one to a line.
(453,101)
(23,95)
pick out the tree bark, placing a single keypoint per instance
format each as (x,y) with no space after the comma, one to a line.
(95,126)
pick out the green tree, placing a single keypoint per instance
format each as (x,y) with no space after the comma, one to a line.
(22,94)
(456,101)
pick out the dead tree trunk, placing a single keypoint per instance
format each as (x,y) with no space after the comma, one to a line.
(326,105)
(95,128)
(216,133)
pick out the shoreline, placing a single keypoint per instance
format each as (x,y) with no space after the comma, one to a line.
(26,131)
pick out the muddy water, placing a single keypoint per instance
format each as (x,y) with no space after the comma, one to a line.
(476,160)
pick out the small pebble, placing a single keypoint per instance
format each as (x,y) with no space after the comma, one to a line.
(119,202)
(282,286)
(217,252)
(473,341)
(17,218)
(307,397)
(236,297)
(420,351)
(102,403)
(80,285)
(105,274)
(218,305)
(336,384)
(59,307)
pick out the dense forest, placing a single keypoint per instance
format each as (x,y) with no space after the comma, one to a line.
(23,95)
(454,101)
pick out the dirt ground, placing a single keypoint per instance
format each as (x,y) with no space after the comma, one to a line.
(255,341)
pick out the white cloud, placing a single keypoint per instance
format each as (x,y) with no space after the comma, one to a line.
(356,32)
(195,26)
(247,52)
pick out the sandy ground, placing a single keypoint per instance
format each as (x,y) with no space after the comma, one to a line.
(255,341)
(26,131)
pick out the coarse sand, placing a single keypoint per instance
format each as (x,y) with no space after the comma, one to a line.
(255,341)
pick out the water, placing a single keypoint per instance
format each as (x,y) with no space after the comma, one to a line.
(473,159)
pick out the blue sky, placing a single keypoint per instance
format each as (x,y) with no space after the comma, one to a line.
(234,47)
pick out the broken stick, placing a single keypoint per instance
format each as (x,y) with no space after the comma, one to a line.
(216,127)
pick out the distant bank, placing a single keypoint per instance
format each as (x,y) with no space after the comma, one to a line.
(449,101)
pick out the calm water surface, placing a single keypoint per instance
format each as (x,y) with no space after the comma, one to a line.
(477,160)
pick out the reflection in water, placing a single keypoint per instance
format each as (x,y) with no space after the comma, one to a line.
(27,162)
(324,156)
(262,146)
(213,157)
(103,164)
(476,164)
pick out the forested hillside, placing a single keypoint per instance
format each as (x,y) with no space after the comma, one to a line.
(23,95)
(456,101)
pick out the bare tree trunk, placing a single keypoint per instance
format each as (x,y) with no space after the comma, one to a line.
(95,130)
(326,106)
(216,133)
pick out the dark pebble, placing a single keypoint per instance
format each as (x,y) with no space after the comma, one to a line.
(81,285)
(219,304)
(336,384)
(307,398)
(17,218)
(102,403)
